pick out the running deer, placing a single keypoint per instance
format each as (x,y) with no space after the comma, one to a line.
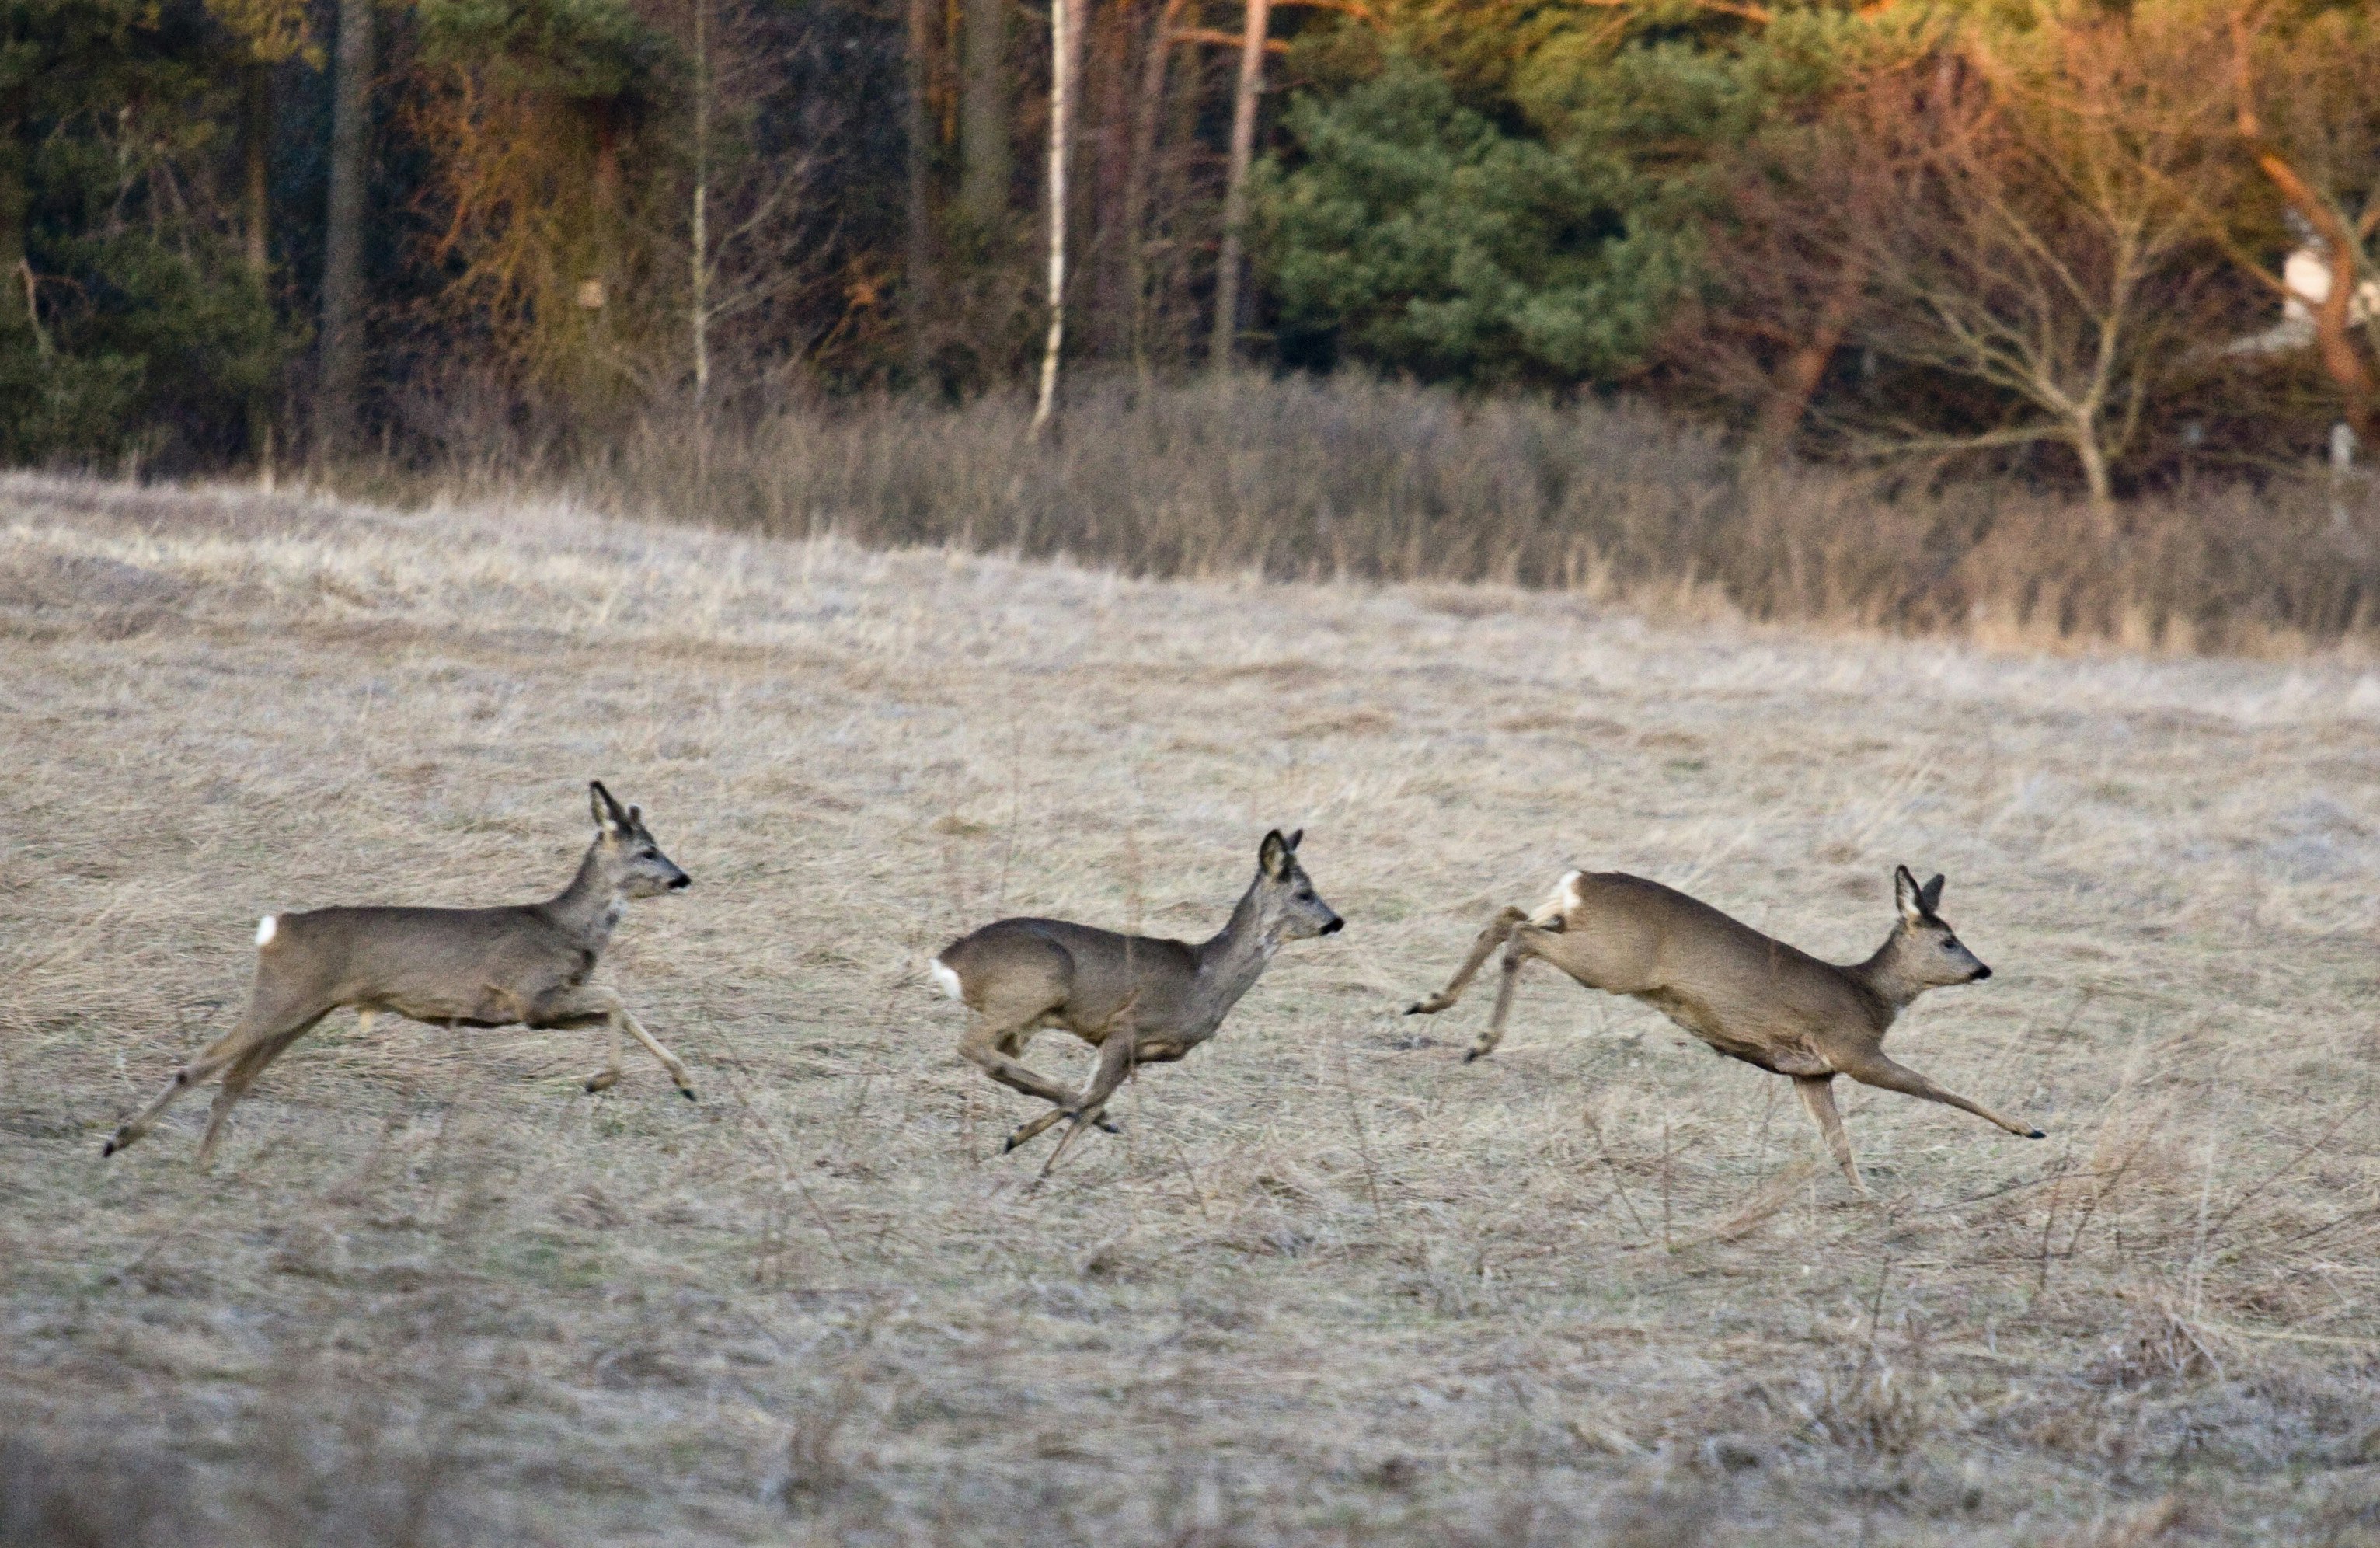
(1750,997)
(1137,999)
(525,965)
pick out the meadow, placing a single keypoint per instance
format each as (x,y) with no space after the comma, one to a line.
(1329,1284)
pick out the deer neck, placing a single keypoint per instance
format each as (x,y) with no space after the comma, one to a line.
(1886,975)
(1229,964)
(589,909)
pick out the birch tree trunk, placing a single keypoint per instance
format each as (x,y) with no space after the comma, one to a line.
(1235,185)
(342,343)
(1065,29)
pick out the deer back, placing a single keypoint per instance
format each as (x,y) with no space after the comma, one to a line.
(1714,974)
(1083,975)
(476,966)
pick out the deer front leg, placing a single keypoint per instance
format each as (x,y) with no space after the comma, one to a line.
(585,1005)
(1818,1095)
(1878,1070)
(652,1045)
(1498,928)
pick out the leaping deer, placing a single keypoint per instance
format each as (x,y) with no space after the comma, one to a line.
(1137,999)
(525,965)
(1749,996)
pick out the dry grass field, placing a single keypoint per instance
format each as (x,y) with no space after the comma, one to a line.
(1329,1284)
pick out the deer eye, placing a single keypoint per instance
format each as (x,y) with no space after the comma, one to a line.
(1949,943)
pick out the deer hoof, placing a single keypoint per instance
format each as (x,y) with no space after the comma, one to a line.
(1108,1125)
(2037,1134)
(107,1148)
(1471,1054)
(686,1092)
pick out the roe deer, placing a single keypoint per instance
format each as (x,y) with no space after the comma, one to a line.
(1749,996)
(1137,999)
(525,965)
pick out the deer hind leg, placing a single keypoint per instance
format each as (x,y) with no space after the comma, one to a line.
(987,1047)
(1882,1072)
(1521,946)
(1117,1057)
(1115,1067)
(240,1077)
(267,1018)
(1818,1095)
(1498,928)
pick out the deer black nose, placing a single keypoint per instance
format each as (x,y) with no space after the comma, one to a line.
(682,880)
(1336,925)
(1980,975)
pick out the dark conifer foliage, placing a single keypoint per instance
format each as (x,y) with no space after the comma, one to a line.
(570,217)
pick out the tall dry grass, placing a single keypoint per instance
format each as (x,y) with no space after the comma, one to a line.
(1354,479)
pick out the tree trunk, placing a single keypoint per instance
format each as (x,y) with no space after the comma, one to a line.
(1107,79)
(917,278)
(1235,184)
(1174,307)
(342,343)
(1148,111)
(2333,320)
(16,272)
(983,114)
(256,166)
(2094,458)
(1065,29)
(1797,379)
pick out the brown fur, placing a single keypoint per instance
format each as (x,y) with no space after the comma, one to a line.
(1746,994)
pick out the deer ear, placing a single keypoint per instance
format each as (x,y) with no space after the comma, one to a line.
(1905,893)
(608,815)
(1930,894)
(1295,837)
(1272,857)
(636,818)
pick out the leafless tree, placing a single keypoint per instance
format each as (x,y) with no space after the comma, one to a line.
(2027,230)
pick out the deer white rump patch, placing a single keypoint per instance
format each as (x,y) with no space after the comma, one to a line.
(266,927)
(945,979)
(1563,898)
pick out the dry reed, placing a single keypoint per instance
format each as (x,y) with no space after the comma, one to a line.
(1347,479)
